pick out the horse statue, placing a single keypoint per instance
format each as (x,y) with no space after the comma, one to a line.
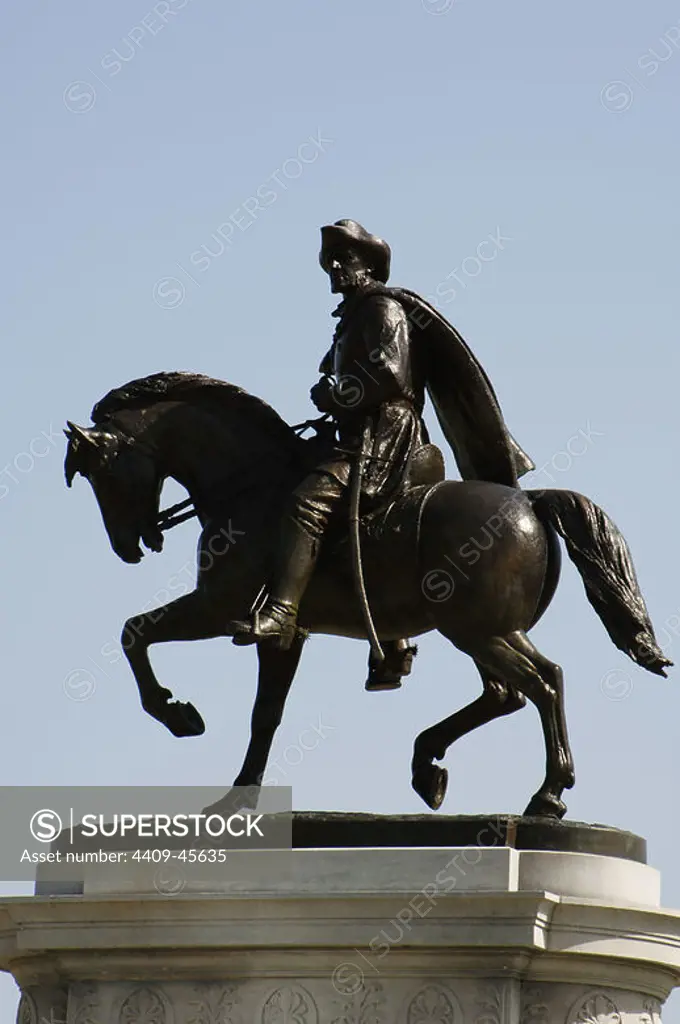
(479,562)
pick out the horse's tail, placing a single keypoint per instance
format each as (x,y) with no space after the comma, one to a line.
(602,557)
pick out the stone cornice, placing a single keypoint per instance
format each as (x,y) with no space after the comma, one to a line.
(532,936)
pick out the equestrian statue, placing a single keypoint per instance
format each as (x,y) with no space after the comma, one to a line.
(354,531)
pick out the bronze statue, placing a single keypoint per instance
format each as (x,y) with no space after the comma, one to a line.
(377,399)
(374,543)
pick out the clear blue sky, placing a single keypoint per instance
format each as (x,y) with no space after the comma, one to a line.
(440,125)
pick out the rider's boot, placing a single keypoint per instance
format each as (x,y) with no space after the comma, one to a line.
(387,674)
(277,620)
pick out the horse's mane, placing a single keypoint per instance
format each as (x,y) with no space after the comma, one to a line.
(183,385)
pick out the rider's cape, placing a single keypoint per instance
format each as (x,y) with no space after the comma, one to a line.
(465,402)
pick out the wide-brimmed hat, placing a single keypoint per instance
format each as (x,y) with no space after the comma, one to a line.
(349,234)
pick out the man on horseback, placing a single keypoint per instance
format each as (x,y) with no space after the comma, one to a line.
(388,347)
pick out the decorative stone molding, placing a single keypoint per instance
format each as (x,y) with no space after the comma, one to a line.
(28,1011)
(505,946)
(494,1005)
(365,1006)
(84,1005)
(144,1006)
(392,999)
(535,1006)
(213,1004)
(290,1004)
(43,1005)
(596,1008)
(434,1004)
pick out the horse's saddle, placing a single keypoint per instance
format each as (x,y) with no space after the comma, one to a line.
(397,518)
(426,464)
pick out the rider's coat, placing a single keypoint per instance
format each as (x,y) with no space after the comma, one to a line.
(378,377)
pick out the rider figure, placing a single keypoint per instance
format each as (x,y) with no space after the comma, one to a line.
(376,380)
(381,374)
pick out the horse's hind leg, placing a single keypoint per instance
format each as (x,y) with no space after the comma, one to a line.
(430,781)
(549,699)
(517,660)
(192,617)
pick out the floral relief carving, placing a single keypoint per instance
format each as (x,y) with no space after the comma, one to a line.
(28,1012)
(289,1005)
(143,1006)
(43,1006)
(597,1008)
(363,1006)
(432,1005)
(534,1008)
(492,1007)
(86,1005)
(213,1004)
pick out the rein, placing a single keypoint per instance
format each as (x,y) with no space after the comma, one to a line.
(183,510)
(170,517)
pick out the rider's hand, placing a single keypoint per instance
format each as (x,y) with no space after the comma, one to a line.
(322,395)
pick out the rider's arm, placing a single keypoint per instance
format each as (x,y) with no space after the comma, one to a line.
(322,392)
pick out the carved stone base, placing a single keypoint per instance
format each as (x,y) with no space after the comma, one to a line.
(392,1001)
(468,935)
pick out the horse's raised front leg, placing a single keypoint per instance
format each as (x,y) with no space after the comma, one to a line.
(192,617)
(430,781)
(276,674)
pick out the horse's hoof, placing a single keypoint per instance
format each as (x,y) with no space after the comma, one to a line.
(239,798)
(544,805)
(183,719)
(430,783)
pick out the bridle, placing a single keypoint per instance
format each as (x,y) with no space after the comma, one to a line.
(184,510)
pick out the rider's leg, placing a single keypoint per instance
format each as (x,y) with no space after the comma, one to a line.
(303,527)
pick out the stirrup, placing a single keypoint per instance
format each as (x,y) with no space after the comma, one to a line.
(275,622)
(389,673)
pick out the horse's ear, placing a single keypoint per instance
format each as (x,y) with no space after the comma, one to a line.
(79,435)
(79,439)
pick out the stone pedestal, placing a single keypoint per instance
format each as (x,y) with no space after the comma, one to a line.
(474,934)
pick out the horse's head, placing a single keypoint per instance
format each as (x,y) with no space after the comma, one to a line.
(126,482)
